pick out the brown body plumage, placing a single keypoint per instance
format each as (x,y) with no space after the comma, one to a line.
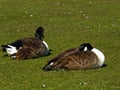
(64,53)
(74,59)
(28,48)
(32,48)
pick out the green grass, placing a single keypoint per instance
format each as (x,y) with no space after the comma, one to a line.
(67,23)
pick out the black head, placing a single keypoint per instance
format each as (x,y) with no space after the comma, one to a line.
(39,33)
(85,47)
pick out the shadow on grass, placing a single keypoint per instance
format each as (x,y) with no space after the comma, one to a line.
(104,65)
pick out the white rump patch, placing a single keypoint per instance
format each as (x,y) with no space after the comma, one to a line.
(11,50)
(13,56)
(51,63)
(100,56)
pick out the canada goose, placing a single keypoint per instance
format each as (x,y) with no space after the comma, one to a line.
(28,48)
(84,57)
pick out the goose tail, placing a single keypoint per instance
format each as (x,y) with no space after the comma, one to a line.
(4,47)
(51,65)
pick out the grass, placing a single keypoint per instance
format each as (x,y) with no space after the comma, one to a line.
(67,23)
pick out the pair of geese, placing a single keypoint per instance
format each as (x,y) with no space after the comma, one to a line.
(83,57)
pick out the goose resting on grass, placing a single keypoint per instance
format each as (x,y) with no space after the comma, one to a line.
(28,48)
(84,57)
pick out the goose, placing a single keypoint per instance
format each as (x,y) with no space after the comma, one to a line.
(83,57)
(28,48)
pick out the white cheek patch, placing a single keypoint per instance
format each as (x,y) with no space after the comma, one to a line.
(11,50)
(20,48)
(85,49)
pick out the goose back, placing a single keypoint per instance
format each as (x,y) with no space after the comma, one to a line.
(73,60)
(31,48)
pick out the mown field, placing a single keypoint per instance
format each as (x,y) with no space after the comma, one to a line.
(67,24)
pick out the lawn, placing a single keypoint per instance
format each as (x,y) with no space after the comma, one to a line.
(67,24)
